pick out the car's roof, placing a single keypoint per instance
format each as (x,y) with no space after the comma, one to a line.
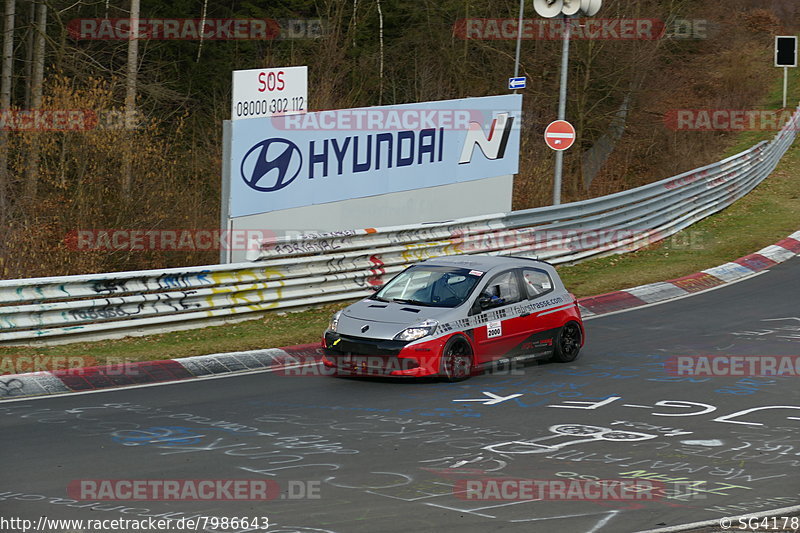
(484,262)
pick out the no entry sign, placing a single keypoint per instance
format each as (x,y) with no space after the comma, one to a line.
(559,135)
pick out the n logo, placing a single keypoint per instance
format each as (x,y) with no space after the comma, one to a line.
(493,146)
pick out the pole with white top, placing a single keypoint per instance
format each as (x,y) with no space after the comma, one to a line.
(565,9)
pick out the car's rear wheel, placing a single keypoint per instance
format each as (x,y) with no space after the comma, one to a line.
(456,360)
(568,343)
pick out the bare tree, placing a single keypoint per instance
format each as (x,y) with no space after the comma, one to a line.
(37,83)
(201,32)
(380,34)
(130,93)
(30,36)
(133,58)
(5,100)
(354,20)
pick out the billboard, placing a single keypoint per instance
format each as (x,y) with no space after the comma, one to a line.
(291,161)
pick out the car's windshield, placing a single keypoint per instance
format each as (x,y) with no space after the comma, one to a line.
(431,286)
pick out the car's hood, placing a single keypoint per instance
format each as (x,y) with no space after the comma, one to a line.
(384,320)
(392,312)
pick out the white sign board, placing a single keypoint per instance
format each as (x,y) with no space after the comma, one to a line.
(329,156)
(265,92)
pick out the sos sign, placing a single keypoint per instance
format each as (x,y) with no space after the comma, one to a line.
(270,91)
(271,81)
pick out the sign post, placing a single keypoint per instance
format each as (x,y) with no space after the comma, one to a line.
(519,45)
(224,212)
(565,9)
(785,56)
(562,108)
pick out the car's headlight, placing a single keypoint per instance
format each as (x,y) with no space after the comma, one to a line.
(334,323)
(417,332)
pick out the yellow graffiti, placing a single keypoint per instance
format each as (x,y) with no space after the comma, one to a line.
(263,280)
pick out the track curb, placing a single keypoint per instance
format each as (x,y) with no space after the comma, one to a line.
(693,283)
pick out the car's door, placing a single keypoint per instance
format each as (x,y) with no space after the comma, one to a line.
(542,301)
(500,327)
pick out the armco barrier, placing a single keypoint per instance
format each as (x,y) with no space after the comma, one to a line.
(315,269)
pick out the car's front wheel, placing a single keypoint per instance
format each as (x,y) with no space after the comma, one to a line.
(568,343)
(456,360)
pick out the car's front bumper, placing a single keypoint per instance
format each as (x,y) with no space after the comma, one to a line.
(360,356)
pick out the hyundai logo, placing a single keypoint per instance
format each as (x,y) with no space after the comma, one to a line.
(364,328)
(271,165)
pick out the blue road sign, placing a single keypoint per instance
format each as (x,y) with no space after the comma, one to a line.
(517,83)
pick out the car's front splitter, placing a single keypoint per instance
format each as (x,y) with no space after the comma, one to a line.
(357,356)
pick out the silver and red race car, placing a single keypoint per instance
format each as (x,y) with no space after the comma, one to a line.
(454,317)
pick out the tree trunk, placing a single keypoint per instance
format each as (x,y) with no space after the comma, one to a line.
(8,55)
(380,36)
(30,38)
(32,179)
(5,101)
(202,25)
(130,97)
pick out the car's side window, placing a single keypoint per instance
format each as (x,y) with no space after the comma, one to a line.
(504,288)
(537,282)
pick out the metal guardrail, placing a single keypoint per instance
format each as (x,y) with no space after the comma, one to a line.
(316,269)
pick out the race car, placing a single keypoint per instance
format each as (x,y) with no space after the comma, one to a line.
(455,316)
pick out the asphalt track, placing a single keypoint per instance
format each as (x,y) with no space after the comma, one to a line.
(392,456)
